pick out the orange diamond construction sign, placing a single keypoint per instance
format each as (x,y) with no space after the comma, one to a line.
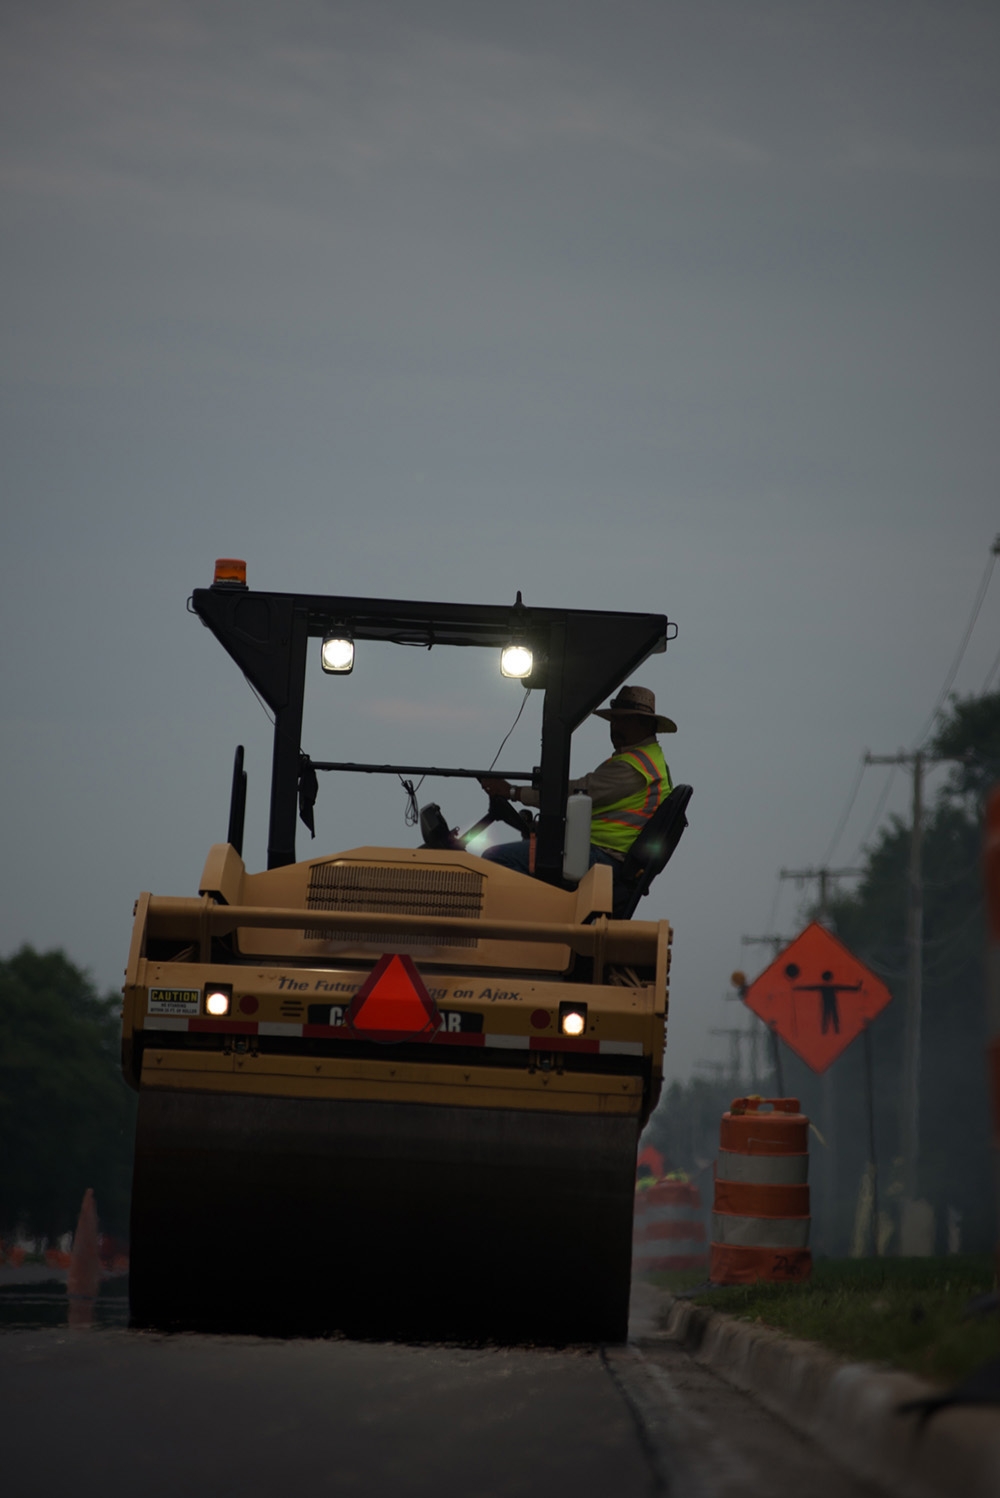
(817,996)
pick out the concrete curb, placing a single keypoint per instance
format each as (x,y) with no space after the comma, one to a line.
(848,1409)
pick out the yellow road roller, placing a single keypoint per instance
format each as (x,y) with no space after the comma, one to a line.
(397,1092)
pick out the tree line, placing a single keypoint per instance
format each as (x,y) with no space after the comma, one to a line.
(67,1118)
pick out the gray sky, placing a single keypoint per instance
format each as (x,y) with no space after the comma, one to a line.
(685,307)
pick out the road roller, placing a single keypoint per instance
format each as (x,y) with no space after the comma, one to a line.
(394,1092)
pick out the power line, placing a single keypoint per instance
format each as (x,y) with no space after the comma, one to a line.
(877,814)
(991,673)
(953,669)
(838,834)
(942,694)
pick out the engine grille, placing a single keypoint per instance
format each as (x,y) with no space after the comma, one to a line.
(397,891)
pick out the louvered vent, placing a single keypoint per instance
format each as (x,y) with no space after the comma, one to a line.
(399,891)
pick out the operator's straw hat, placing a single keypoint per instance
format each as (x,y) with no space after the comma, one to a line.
(637,702)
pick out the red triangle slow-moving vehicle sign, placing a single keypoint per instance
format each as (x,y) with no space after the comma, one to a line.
(393,1003)
(817,996)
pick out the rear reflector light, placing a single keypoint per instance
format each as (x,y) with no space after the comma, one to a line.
(218,999)
(572,1018)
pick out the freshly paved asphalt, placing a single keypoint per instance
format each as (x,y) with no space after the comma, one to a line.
(111,1412)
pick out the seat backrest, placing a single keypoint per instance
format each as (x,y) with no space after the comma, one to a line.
(651,851)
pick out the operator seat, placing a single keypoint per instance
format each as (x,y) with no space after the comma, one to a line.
(650,853)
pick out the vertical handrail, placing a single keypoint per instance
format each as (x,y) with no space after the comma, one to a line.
(237,802)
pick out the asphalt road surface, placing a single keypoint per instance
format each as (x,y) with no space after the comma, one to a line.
(111,1412)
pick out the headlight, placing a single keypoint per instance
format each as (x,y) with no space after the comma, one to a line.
(337,655)
(515,660)
(572,1019)
(218,999)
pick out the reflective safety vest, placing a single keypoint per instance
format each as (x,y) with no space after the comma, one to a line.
(617,826)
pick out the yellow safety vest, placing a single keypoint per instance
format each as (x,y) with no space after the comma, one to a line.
(617,826)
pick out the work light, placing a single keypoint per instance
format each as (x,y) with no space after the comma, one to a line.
(337,655)
(515,661)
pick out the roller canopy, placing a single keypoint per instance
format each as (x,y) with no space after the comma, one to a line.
(581,656)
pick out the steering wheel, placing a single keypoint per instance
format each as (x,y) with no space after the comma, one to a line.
(437,834)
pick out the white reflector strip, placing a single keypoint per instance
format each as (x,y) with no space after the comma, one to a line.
(621,1047)
(667,1214)
(277,1027)
(507,1042)
(763,1170)
(760,1232)
(164,1022)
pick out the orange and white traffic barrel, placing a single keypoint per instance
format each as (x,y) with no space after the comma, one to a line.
(669,1228)
(760,1216)
(992,876)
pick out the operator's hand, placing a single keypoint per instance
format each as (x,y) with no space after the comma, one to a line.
(494,786)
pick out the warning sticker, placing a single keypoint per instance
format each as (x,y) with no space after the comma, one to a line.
(174,1000)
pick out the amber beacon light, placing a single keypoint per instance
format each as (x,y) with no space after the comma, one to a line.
(230,572)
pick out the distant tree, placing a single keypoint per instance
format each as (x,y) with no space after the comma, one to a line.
(971,729)
(66,1115)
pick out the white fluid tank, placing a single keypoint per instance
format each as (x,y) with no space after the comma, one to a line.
(576,848)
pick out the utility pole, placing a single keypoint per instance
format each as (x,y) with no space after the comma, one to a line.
(716,1068)
(775,943)
(824,876)
(735,1058)
(909,1092)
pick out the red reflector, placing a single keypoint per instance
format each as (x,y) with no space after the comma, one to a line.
(393,1004)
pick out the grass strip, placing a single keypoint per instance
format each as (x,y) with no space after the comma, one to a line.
(905,1313)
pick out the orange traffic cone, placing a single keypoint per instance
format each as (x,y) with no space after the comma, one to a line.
(84,1276)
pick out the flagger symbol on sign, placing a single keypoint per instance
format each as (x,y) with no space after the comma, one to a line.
(828,991)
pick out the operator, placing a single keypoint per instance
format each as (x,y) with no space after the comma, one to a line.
(625,790)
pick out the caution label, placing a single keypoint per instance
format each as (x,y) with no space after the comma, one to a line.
(174,1000)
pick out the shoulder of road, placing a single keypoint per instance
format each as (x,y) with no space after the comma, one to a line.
(851,1410)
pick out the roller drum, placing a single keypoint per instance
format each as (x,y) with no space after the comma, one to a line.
(302,1216)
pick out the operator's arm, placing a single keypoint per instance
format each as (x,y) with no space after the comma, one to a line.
(610,782)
